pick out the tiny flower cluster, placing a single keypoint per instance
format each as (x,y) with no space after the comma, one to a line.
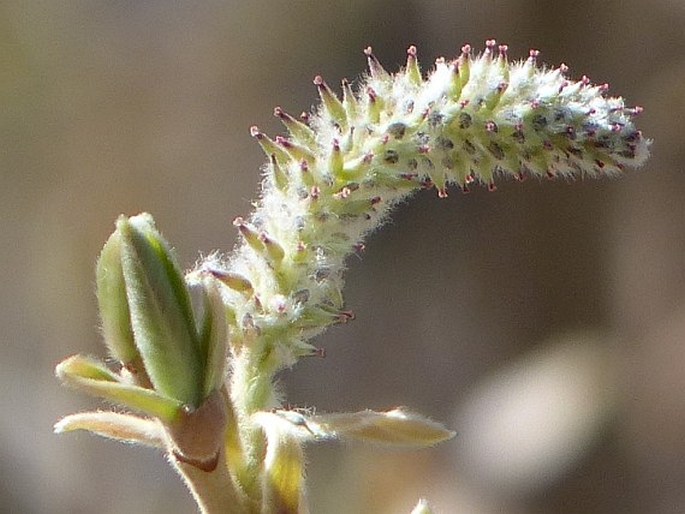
(337,172)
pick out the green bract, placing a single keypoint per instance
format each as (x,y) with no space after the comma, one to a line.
(161,313)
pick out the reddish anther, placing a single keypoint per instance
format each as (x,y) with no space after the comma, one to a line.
(284,142)
(490,45)
(346,316)
(343,193)
(503,49)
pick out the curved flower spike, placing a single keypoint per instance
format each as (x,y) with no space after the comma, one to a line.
(337,174)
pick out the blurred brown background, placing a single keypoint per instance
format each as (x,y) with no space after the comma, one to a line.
(544,322)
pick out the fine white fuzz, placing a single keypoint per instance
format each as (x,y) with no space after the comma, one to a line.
(338,171)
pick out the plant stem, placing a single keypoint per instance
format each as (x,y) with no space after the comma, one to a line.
(213,490)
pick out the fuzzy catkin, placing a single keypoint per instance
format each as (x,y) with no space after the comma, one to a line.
(336,174)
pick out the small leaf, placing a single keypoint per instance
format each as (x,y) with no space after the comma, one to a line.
(113,425)
(78,366)
(214,337)
(161,314)
(397,427)
(113,302)
(283,475)
(93,378)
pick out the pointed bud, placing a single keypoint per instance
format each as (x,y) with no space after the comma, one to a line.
(113,303)
(161,314)
(297,152)
(233,280)
(250,234)
(301,132)
(278,175)
(375,67)
(274,250)
(269,146)
(412,70)
(214,337)
(464,67)
(349,102)
(335,164)
(331,102)
(374,105)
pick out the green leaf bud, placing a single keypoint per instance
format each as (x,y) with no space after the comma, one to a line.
(161,313)
(113,303)
(95,379)
(214,337)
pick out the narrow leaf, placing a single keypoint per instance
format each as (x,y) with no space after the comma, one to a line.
(214,337)
(93,378)
(397,427)
(161,313)
(114,425)
(283,474)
